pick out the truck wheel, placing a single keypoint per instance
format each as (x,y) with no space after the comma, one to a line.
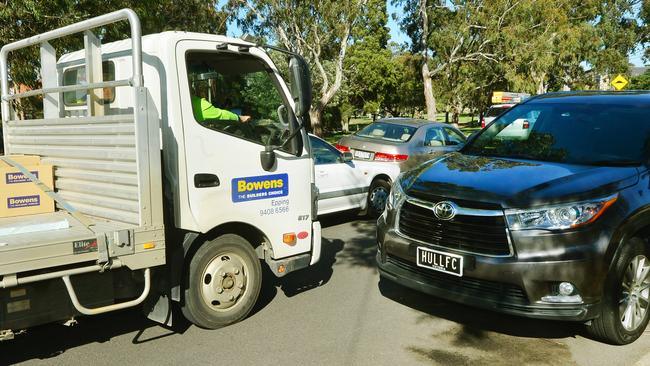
(624,308)
(224,281)
(377,196)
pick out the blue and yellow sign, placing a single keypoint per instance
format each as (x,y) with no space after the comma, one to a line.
(260,187)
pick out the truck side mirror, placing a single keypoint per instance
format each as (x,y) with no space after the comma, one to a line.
(301,88)
(267,158)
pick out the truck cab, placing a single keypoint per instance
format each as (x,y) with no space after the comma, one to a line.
(126,129)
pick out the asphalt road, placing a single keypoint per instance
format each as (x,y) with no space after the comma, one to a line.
(337,313)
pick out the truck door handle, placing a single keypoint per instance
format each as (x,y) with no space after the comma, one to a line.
(204,180)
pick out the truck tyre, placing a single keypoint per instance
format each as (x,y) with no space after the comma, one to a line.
(224,281)
(625,303)
(377,197)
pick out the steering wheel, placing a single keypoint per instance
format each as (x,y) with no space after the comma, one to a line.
(232,127)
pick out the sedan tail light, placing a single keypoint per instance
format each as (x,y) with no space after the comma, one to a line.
(390,157)
(342,148)
(482,122)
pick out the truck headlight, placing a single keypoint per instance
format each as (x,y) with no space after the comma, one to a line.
(559,217)
(396,195)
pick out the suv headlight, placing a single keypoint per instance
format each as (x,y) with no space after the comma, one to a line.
(559,217)
(396,195)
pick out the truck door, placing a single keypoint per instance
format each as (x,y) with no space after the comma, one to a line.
(233,104)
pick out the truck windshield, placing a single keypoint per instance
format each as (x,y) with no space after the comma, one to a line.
(588,134)
(239,95)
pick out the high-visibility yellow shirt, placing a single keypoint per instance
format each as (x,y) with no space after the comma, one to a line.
(204,110)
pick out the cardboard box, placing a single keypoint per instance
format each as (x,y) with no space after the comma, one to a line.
(23,160)
(19,196)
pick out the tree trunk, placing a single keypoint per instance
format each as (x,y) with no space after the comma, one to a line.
(316,114)
(345,124)
(429,99)
(541,85)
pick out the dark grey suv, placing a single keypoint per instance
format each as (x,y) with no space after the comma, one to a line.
(552,223)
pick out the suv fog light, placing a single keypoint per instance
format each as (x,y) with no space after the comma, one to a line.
(565,289)
(563,293)
(575,299)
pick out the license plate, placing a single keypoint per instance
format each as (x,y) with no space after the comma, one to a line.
(362,154)
(439,261)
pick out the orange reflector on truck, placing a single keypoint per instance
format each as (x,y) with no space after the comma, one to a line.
(289,238)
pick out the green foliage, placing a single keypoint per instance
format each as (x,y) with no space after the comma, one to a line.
(25,18)
(641,82)
(478,46)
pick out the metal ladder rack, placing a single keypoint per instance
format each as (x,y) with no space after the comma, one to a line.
(117,180)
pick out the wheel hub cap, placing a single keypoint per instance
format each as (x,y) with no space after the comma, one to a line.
(224,281)
(635,296)
(378,199)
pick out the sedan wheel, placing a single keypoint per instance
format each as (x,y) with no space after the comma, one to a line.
(377,197)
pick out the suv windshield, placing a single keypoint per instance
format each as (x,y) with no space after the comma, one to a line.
(590,134)
(387,131)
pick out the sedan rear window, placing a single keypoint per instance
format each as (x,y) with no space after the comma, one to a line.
(387,131)
(495,111)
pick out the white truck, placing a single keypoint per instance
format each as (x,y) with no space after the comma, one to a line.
(165,204)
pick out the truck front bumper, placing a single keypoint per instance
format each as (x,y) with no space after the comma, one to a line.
(281,267)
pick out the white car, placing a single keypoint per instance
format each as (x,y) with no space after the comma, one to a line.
(346,184)
(493,112)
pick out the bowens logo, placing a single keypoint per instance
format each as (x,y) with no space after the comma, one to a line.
(260,187)
(13,178)
(445,210)
(23,201)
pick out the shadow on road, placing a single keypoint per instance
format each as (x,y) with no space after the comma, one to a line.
(476,318)
(302,280)
(49,341)
(361,244)
(481,336)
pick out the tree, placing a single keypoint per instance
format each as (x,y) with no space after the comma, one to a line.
(450,35)
(618,33)
(471,47)
(640,82)
(644,16)
(406,95)
(368,67)
(320,31)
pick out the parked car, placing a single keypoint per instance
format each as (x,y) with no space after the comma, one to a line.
(397,139)
(345,184)
(493,112)
(553,224)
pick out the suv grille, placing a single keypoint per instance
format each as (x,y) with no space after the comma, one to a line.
(475,234)
(488,290)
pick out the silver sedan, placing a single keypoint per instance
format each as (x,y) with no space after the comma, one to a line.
(398,139)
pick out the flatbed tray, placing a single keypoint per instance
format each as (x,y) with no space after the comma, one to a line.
(51,248)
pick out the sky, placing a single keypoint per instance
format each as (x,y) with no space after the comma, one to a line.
(396,34)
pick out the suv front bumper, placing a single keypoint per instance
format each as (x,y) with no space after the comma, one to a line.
(505,284)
